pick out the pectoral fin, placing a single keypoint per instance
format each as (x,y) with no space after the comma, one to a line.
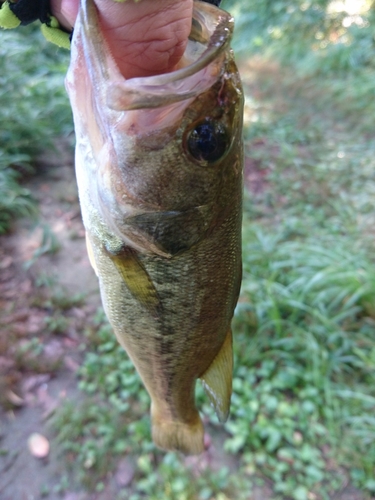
(217,380)
(136,279)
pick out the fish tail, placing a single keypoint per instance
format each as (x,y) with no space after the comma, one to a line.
(186,437)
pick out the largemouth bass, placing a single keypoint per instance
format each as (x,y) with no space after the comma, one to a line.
(159,171)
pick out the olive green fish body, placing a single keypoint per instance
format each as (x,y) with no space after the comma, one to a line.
(159,170)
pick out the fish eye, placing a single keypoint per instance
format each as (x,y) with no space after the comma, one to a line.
(208,141)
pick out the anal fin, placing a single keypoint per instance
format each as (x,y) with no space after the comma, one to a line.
(217,379)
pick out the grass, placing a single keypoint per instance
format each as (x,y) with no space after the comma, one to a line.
(307,309)
(33,110)
(15,201)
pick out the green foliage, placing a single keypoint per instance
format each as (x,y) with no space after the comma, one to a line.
(305,321)
(33,105)
(317,36)
(15,200)
(306,309)
(33,111)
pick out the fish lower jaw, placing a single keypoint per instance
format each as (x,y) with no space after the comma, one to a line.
(175,435)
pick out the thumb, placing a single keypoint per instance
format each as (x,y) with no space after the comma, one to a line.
(145,38)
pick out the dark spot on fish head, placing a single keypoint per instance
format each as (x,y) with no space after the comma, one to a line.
(207,141)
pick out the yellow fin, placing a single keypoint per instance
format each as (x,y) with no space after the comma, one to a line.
(90,253)
(136,278)
(173,435)
(217,379)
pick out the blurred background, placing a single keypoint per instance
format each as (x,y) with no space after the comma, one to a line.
(74,421)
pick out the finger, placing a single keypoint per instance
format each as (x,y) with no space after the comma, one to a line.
(65,11)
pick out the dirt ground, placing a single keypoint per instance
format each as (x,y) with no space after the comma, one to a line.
(29,390)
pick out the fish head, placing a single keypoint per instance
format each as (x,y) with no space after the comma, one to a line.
(162,153)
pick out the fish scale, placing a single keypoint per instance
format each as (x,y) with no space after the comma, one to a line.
(159,171)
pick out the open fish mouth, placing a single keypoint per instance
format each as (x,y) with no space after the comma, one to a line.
(209,37)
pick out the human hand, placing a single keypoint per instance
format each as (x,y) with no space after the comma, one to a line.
(146,38)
